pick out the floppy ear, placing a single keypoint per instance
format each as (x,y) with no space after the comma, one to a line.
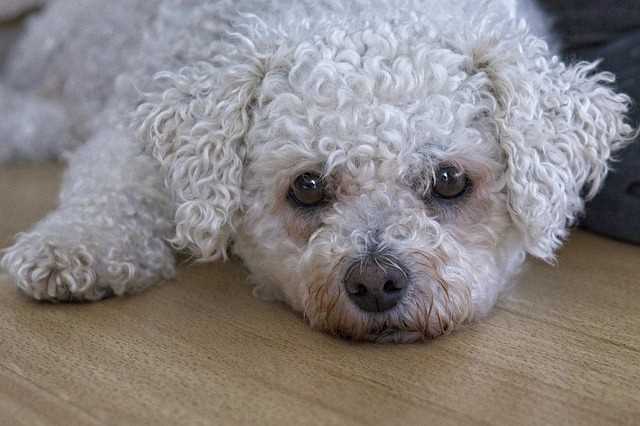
(558,126)
(194,124)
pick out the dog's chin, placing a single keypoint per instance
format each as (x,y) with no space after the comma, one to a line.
(394,335)
(390,334)
(388,327)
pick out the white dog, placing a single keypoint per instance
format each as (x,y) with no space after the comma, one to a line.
(383,166)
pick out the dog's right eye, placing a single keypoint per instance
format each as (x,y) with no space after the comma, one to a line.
(307,190)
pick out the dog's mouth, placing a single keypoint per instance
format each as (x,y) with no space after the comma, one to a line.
(397,335)
(396,326)
(390,334)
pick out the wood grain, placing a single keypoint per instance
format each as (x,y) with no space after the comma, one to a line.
(562,348)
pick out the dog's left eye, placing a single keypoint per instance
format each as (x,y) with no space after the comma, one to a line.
(307,190)
(451,182)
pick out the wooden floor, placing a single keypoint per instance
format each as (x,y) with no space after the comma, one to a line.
(563,348)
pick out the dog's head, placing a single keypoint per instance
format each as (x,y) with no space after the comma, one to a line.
(386,180)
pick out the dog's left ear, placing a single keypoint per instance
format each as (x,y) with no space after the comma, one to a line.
(558,126)
(194,123)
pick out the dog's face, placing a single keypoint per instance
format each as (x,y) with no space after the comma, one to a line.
(386,188)
(374,193)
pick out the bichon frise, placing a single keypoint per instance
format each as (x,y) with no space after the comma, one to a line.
(382,166)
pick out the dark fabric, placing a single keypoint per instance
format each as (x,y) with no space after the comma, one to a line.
(610,31)
(581,23)
(616,210)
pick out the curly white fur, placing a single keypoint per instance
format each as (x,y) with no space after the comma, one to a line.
(231,100)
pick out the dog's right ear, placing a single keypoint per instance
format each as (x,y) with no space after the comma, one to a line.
(194,123)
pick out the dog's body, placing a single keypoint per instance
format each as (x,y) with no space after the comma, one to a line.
(382,166)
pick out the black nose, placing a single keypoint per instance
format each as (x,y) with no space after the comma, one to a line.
(373,288)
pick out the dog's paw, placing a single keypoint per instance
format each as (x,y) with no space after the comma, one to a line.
(53,271)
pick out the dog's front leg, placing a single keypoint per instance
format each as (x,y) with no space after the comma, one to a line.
(108,234)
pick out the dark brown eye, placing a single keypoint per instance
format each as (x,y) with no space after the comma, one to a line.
(450,182)
(307,190)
